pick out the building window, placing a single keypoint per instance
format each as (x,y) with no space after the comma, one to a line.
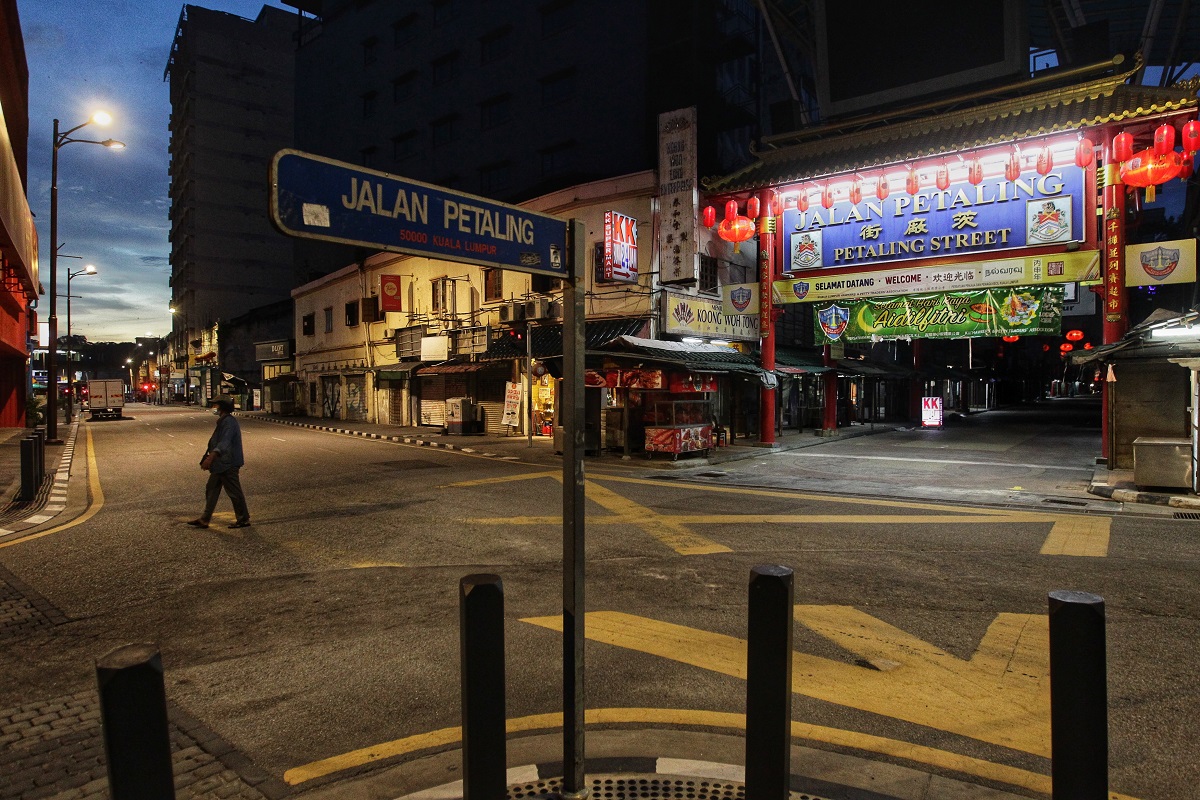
(494,178)
(404,30)
(443,11)
(308,324)
(445,69)
(558,88)
(442,131)
(329,319)
(402,87)
(493,284)
(495,45)
(495,111)
(557,158)
(352,314)
(708,274)
(557,17)
(370,49)
(369,103)
(404,145)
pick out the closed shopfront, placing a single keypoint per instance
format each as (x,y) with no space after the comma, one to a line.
(356,397)
(433,400)
(490,398)
(331,397)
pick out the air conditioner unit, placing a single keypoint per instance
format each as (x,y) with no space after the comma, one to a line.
(538,308)
(388,333)
(512,312)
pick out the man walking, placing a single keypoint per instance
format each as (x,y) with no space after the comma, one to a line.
(223,460)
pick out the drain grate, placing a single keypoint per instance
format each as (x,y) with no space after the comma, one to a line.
(714,474)
(658,787)
(1064,502)
(1187,515)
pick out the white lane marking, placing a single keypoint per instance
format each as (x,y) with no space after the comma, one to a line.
(940,461)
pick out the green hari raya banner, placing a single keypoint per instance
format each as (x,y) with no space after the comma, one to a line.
(1021,311)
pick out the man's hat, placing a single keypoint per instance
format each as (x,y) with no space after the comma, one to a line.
(224,403)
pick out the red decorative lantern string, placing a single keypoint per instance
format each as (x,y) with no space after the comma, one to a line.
(738,229)
(975,172)
(708,216)
(1010,338)
(802,201)
(731,210)
(1066,347)
(1012,169)
(1045,161)
(1164,139)
(912,184)
(1122,147)
(1145,168)
(856,190)
(942,177)
(776,205)
(882,190)
(1074,336)
(752,208)
(1187,167)
(1191,136)
(827,197)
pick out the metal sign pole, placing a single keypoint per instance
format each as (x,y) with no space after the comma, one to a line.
(573,508)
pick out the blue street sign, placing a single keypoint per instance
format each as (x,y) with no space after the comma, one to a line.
(319,198)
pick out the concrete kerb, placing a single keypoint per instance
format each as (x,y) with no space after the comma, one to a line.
(50,504)
(1118,485)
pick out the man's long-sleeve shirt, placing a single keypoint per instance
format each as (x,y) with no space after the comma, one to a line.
(226,442)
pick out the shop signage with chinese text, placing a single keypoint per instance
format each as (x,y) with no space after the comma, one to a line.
(679,261)
(1080,266)
(684,315)
(1021,311)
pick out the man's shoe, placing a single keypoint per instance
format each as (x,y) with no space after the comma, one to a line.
(245,524)
(198,523)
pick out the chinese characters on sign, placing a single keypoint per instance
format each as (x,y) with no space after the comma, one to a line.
(679,261)
(685,315)
(1114,276)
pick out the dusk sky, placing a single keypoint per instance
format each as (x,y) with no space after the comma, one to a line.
(86,55)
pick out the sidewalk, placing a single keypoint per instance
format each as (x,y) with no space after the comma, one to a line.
(17,517)
(1118,485)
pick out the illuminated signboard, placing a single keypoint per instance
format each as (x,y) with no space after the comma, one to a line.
(620,248)
(961,220)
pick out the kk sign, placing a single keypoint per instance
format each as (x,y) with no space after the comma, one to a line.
(318,198)
(620,248)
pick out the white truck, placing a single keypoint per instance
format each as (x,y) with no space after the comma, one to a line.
(106,398)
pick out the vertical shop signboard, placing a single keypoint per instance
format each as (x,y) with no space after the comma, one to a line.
(679,261)
(1114,275)
(620,248)
(512,405)
(931,412)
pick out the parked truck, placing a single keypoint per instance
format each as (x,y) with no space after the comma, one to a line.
(106,398)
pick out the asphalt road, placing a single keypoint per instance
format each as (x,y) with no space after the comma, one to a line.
(330,625)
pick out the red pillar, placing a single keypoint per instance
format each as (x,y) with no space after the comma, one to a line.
(830,379)
(1116,316)
(766,319)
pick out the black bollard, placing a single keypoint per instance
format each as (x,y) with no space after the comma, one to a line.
(769,683)
(1078,697)
(133,715)
(481,652)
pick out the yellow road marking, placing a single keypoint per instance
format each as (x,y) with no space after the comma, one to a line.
(506,479)
(1079,536)
(1000,696)
(92,510)
(670,530)
(915,753)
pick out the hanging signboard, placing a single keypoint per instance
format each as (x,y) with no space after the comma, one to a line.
(620,248)
(319,198)
(1160,262)
(679,261)
(962,219)
(1081,266)
(685,315)
(931,412)
(512,405)
(390,294)
(1022,311)
(740,298)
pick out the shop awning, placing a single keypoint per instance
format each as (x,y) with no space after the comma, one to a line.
(853,368)
(398,372)
(789,361)
(448,369)
(547,340)
(693,357)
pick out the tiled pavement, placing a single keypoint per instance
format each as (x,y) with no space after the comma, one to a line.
(16,518)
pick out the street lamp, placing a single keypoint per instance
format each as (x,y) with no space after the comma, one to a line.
(129,366)
(90,269)
(60,140)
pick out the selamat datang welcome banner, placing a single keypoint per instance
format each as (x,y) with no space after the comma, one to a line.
(1020,311)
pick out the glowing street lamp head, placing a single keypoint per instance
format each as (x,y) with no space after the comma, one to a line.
(90,269)
(101,118)
(113,144)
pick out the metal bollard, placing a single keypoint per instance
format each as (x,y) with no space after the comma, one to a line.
(481,653)
(40,436)
(1078,697)
(30,483)
(133,714)
(769,683)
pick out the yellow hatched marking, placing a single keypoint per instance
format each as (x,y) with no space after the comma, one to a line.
(506,479)
(670,530)
(1000,696)
(966,765)
(1079,536)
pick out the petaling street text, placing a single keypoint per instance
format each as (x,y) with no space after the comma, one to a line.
(955,242)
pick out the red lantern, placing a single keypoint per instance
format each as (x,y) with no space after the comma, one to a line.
(1045,348)
(1191,136)
(1012,170)
(776,205)
(827,197)
(731,210)
(738,229)
(1187,167)
(1074,336)
(912,183)
(856,190)
(1147,169)
(752,208)
(1164,139)
(1045,161)
(882,190)
(975,172)
(1087,345)
(942,177)
(1010,338)
(1066,347)
(1122,147)
(802,201)
(1085,153)
(708,216)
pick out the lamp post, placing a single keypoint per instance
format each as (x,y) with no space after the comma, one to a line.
(90,269)
(60,140)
